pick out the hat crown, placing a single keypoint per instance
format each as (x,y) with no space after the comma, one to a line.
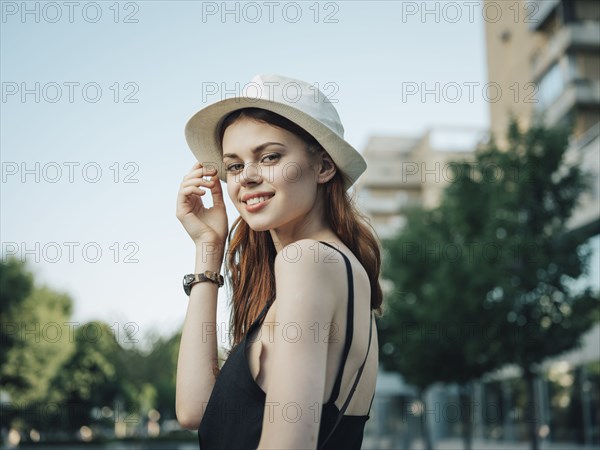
(298,94)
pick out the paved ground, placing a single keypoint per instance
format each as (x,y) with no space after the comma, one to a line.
(457,444)
(448,444)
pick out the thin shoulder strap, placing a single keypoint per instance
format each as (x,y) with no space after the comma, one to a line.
(262,313)
(347,402)
(349,328)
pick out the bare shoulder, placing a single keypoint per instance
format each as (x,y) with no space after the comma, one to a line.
(314,259)
(305,270)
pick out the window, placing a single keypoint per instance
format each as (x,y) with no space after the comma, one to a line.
(550,87)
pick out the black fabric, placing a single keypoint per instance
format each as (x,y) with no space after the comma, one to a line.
(234,413)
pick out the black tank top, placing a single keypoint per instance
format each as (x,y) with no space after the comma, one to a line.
(234,414)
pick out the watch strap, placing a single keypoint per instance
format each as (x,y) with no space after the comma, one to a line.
(192,279)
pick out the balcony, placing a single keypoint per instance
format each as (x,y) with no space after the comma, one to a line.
(582,35)
(392,204)
(542,9)
(584,151)
(578,92)
(404,176)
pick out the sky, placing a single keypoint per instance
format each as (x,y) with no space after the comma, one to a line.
(95,97)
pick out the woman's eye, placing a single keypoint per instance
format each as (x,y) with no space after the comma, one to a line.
(272,157)
(233,167)
(236,167)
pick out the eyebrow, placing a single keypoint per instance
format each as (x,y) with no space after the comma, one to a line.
(254,150)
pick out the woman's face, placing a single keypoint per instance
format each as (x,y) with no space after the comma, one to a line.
(262,159)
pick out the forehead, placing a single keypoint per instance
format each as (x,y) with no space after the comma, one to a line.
(246,134)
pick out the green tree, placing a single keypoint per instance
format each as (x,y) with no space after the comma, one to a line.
(39,325)
(89,379)
(435,329)
(542,256)
(164,355)
(15,285)
(484,280)
(150,375)
(59,375)
(43,343)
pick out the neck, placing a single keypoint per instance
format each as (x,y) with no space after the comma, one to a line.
(313,226)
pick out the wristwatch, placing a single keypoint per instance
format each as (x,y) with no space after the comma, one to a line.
(191,279)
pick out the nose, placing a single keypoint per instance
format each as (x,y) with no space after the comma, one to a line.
(251,174)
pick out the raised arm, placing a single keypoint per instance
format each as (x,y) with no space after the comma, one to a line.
(198,347)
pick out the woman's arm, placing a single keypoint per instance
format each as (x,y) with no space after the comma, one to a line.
(198,348)
(308,289)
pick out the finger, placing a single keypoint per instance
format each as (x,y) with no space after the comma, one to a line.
(187,181)
(217,191)
(187,200)
(187,194)
(198,182)
(192,190)
(197,165)
(200,172)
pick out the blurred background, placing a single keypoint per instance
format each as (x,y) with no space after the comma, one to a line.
(479,121)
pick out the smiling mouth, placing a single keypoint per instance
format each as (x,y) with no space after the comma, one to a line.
(257,200)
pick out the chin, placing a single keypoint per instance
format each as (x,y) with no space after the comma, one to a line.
(259,228)
(256,225)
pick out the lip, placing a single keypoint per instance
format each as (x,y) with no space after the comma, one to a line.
(247,197)
(258,206)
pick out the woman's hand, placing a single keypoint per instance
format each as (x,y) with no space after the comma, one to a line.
(204,225)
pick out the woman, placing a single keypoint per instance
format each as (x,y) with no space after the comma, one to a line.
(303,266)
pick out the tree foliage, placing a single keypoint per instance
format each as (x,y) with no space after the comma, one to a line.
(43,342)
(486,278)
(15,285)
(58,374)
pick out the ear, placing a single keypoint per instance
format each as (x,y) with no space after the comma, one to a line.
(327,168)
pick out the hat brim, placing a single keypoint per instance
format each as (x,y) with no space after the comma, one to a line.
(201,133)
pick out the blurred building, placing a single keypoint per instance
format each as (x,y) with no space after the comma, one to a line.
(545,59)
(406,171)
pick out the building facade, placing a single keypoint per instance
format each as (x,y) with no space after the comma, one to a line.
(544,57)
(406,171)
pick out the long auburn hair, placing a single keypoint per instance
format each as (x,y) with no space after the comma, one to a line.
(251,255)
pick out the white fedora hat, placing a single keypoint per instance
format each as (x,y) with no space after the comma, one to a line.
(293,99)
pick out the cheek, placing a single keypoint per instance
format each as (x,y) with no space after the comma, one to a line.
(300,191)
(292,175)
(232,191)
